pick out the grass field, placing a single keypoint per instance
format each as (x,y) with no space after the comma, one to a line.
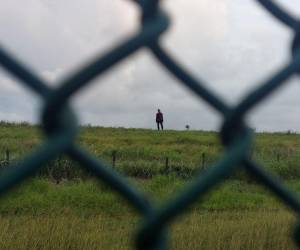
(87,215)
(142,153)
(81,213)
(213,230)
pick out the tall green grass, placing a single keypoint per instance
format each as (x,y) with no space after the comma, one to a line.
(142,152)
(218,230)
(66,208)
(41,196)
(39,214)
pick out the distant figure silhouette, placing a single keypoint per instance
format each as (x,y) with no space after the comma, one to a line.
(159,119)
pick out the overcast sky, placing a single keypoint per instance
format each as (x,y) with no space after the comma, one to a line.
(233,45)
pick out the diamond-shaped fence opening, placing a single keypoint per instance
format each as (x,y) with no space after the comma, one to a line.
(59,124)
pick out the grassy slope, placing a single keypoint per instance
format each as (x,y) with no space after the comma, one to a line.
(140,150)
(87,215)
(38,196)
(222,230)
(83,214)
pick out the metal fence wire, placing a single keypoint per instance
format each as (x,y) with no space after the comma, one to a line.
(60,124)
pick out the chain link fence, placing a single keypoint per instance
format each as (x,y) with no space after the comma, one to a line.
(60,124)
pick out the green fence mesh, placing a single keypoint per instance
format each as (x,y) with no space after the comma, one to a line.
(59,123)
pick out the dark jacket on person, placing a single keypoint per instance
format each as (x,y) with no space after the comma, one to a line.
(159,117)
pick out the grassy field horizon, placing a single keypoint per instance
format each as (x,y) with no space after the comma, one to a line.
(65,207)
(143,152)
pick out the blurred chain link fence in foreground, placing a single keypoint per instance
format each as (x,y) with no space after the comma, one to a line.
(60,124)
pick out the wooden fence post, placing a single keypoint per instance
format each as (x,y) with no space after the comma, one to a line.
(203,160)
(7,156)
(278,157)
(167,162)
(114,154)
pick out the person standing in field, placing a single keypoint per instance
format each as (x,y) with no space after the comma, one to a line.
(159,119)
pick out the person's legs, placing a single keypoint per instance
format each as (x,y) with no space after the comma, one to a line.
(162,126)
(157,125)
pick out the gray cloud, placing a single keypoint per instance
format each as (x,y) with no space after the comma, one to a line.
(232,45)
